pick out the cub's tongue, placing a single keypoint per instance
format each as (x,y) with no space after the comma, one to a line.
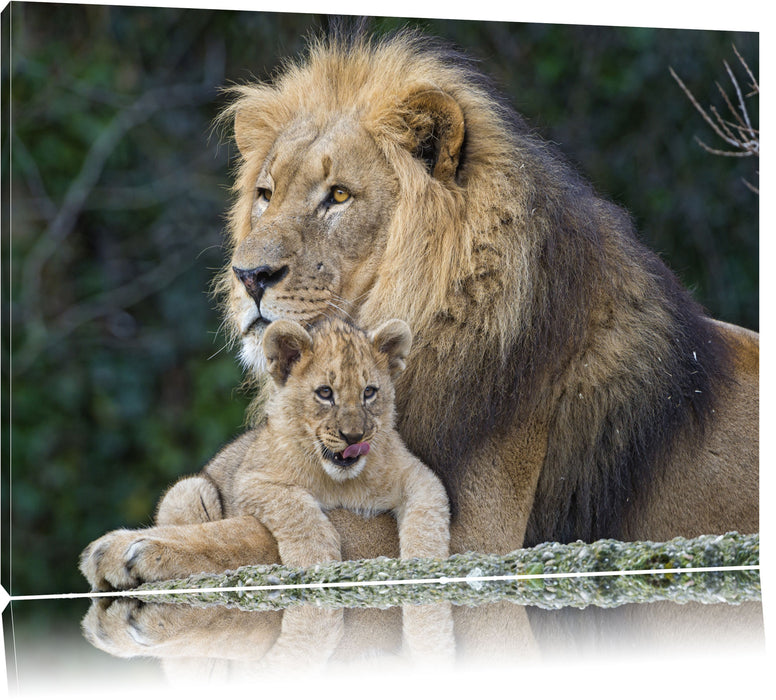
(360,448)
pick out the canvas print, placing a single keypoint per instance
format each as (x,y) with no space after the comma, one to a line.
(337,342)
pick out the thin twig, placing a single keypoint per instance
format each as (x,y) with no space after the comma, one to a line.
(700,109)
(755,86)
(740,134)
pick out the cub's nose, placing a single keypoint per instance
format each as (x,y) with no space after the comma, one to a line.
(259,279)
(352,437)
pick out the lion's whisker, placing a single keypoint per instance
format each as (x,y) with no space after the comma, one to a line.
(340,309)
(220,350)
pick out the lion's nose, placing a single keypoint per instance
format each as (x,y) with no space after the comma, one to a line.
(258,279)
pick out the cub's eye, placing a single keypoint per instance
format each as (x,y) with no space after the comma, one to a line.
(339,194)
(264,194)
(325,393)
(370,392)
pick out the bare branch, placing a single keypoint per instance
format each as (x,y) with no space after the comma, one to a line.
(729,136)
(742,112)
(738,133)
(75,199)
(719,152)
(755,87)
(738,120)
(700,109)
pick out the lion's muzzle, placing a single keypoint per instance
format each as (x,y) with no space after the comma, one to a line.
(257,280)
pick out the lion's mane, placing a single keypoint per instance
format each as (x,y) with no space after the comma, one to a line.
(529,296)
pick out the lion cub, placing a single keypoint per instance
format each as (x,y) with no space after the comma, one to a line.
(329,442)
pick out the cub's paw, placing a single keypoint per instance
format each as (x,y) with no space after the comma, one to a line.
(124,559)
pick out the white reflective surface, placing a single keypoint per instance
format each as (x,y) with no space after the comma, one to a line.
(634,651)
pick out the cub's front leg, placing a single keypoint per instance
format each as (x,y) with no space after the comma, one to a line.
(423,514)
(191,537)
(424,531)
(304,535)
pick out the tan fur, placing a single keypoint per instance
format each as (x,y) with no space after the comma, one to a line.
(555,358)
(516,278)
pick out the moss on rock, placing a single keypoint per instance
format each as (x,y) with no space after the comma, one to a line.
(546,571)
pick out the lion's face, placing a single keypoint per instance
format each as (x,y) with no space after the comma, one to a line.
(334,388)
(315,215)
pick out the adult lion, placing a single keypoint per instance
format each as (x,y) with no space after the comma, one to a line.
(562,383)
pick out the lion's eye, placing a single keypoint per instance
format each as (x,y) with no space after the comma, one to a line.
(370,392)
(264,194)
(339,194)
(324,393)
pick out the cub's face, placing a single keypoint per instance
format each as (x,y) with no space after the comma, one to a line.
(345,400)
(335,388)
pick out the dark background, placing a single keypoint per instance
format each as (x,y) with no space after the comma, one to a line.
(115,377)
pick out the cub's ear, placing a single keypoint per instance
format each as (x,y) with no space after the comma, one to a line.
(437,123)
(393,339)
(283,345)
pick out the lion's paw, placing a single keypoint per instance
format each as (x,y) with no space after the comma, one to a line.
(124,627)
(123,559)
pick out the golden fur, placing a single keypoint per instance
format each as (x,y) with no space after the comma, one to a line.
(519,282)
(561,382)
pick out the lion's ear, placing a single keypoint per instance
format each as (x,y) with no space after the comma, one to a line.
(437,122)
(394,340)
(254,118)
(283,345)
(246,128)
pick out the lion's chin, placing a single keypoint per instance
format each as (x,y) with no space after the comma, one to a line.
(251,329)
(251,354)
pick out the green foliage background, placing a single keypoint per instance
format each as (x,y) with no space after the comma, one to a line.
(115,380)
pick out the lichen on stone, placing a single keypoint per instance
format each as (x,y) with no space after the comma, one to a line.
(474,579)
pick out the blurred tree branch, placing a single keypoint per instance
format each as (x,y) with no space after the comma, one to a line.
(82,186)
(738,133)
(43,202)
(84,193)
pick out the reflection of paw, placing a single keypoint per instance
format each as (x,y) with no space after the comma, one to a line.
(123,559)
(123,627)
(129,627)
